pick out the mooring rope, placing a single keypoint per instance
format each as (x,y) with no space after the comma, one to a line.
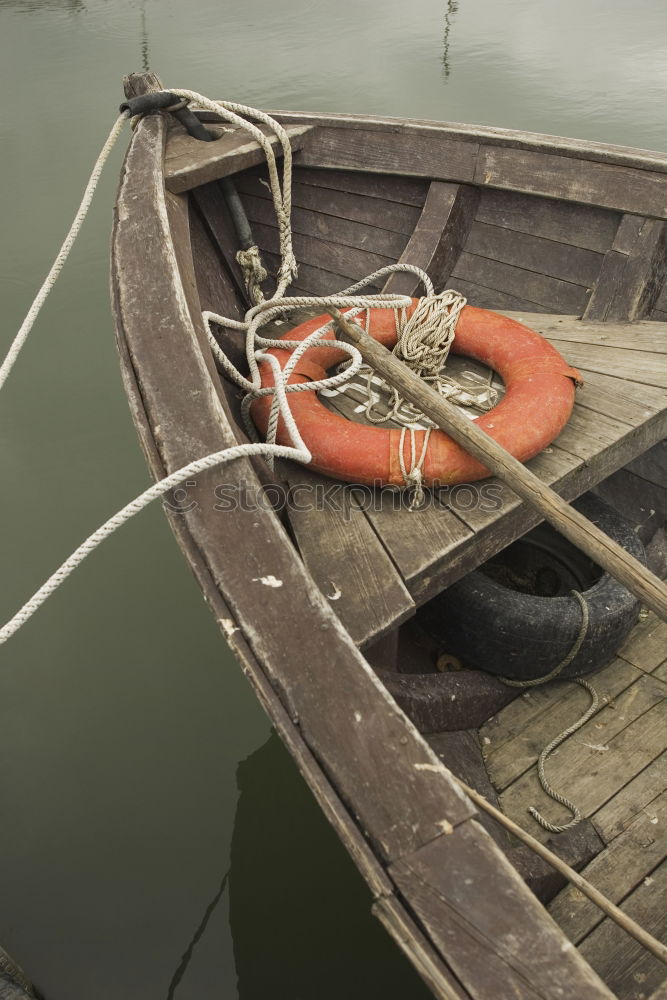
(256,346)
(575,727)
(57,266)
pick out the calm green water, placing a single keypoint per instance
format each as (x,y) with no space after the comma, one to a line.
(126,729)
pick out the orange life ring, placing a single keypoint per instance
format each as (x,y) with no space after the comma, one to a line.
(536,406)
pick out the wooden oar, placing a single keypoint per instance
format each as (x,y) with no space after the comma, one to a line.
(580,531)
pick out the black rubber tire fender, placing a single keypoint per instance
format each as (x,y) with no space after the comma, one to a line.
(523,636)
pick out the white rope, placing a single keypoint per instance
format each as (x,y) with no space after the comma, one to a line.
(256,346)
(52,276)
(423,343)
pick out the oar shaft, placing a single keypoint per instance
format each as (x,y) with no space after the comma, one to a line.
(573,525)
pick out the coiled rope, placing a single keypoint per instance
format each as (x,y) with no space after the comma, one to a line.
(423,343)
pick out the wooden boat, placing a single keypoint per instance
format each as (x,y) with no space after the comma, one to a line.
(571,237)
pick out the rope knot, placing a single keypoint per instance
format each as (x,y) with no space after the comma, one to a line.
(254,272)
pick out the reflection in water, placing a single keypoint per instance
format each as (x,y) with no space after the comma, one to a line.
(198,934)
(299,911)
(452,8)
(35,6)
(144,39)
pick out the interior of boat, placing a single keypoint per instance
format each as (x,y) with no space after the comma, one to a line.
(569,239)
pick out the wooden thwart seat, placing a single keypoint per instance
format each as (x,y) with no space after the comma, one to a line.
(190,162)
(620,412)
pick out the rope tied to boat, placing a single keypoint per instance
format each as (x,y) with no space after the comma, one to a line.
(254,272)
(575,727)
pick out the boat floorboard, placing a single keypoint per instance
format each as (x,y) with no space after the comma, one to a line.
(620,412)
(615,770)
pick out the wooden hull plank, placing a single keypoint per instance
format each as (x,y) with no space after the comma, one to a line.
(582,226)
(556,176)
(367,208)
(454,886)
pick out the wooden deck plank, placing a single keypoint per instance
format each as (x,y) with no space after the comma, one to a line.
(190,162)
(345,557)
(599,760)
(452,885)
(583,226)
(613,421)
(628,969)
(644,335)
(643,367)
(532,252)
(438,238)
(616,815)
(515,746)
(552,293)
(366,209)
(616,871)
(646,645)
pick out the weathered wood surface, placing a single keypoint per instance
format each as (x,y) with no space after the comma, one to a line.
(646,646)
(515,738)
(508,138)
(638,794)
(212,207)
(610,750)
(345,557)
(438,237)
(628,969)
(550,505)
(530,287)
(652,465)
(625,181)
(616,871)
(534,253)
(366,204)
(633,272)
(412,941)
(461,754)
(299,657)
(190,162)
(582,226)
(452,885)
(606,185)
